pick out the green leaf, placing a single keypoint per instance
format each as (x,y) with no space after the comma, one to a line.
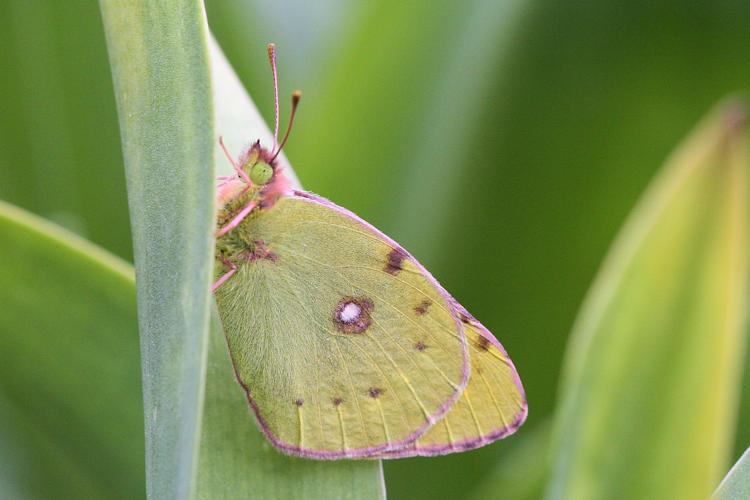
(236,460)
(652,372)
(159,61)
(71,421)
(736,484)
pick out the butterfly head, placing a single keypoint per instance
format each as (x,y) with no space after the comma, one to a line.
(267,179)
(259,164)
(258,177)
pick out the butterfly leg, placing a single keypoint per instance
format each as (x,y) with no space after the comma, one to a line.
(239,171)
(238,218)
(232,270)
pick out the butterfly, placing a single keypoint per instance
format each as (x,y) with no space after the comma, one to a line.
(345,345)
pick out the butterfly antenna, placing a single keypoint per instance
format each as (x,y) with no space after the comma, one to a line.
(295,101)
(272,60)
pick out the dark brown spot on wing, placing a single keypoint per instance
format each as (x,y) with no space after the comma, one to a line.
(298,402)
(419,346)
(464,318)
(395,257)
(374,392)
(422,307)
(352,314)
(483,343)
(337,401)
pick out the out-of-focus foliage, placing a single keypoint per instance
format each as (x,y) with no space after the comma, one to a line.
(652,371)
(503,143)
(60,153)
(71,417)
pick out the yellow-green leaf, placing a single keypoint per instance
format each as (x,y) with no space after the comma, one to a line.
(653,368)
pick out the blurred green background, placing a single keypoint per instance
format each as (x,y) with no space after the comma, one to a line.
(502,143)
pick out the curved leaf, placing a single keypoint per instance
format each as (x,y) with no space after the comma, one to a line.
(654,364)
(71,421)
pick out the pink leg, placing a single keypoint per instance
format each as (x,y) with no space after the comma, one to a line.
(238,218)
(232,270)
(239,171)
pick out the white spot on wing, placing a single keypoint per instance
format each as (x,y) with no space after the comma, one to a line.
(350,313)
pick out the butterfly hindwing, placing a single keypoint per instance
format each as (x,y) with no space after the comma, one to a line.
(492,406)
(344,344)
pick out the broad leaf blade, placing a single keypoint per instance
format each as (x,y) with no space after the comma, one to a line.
(736,484)
(236,460)
(159,62)
(654,364)
(71,421)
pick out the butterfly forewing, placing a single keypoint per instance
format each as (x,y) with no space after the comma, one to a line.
(345,345)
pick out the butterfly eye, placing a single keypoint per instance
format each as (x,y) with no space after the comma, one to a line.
(261,173)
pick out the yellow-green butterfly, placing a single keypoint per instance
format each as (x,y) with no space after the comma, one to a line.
(345,345)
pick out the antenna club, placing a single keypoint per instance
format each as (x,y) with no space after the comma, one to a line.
(295,100)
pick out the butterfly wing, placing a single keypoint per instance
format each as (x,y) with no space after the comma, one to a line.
(492,406)
(345,345)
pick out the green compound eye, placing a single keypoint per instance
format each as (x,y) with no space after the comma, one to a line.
(261,173)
